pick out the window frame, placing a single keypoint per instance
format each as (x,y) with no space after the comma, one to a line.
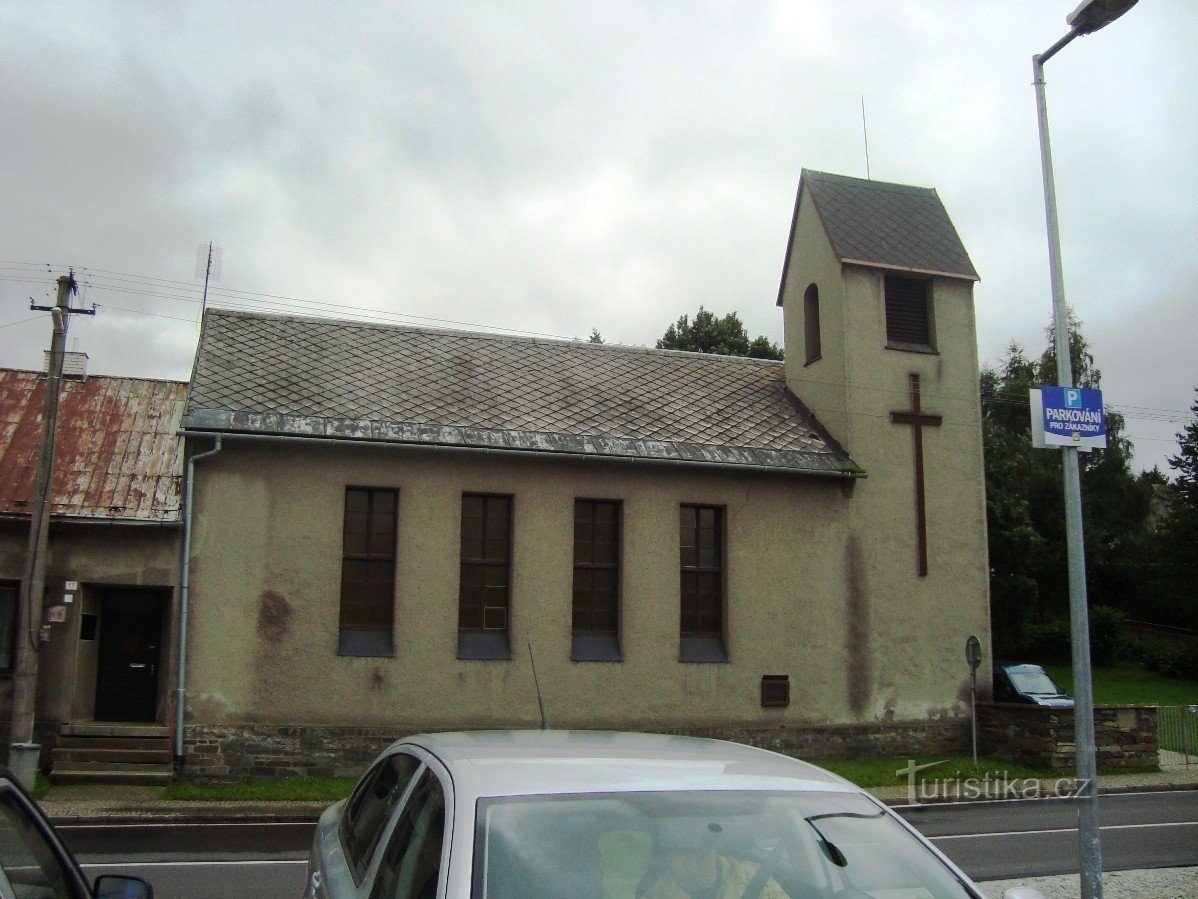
(15,586)
(696,645)
(593,644)
(812,339)
(363,641)
(481,642)
(929,323)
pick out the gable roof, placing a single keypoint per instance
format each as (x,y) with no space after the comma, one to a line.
(273,374)
(117,454)
(884,225)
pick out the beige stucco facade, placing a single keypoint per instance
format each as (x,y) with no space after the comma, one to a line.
(266,587)
(102,559)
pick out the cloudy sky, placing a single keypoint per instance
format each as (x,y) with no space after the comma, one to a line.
(553,167)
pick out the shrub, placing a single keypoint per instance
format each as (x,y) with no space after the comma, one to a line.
(1108,635)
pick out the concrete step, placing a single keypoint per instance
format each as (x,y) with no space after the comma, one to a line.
(64,756)
(93,729)
(161,744)
(146,775)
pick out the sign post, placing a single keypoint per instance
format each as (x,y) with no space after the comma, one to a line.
(973,655)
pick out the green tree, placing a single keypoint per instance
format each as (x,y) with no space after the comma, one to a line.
(1025,506)
(723,336)
(595,337)
(1178,532)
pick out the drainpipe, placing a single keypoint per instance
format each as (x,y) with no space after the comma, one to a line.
(184,592)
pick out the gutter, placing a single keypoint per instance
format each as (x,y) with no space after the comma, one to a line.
(184,595)
(848,471)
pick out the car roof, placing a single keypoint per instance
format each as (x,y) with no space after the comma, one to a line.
(529,762)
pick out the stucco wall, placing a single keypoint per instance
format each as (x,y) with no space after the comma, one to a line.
(96,556)
(853,389)
(266,581)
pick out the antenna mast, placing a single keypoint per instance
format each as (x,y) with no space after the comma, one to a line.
(536,683)
(208,261)
(865,134)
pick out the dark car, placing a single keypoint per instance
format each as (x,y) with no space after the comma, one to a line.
(1028,684)
(34,863)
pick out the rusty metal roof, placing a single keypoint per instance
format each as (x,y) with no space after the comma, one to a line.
(117,455)
(258,373)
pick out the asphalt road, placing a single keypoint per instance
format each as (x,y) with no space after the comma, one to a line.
(989,840)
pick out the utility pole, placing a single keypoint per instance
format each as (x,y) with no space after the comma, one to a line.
(23,752)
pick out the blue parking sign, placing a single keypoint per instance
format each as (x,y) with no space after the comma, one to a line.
(1068,416)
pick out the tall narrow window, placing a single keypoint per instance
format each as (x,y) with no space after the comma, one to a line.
(596,581)
(908,313)
(368,572)
(811,322)
(9,598)
(485,584)
(701,541)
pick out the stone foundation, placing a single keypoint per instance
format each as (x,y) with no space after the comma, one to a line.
(235,752)
(1126,736)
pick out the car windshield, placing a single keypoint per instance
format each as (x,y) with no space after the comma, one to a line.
(696,843)
(1033,681)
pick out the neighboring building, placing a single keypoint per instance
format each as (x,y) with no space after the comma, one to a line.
(112,558)
(396,520)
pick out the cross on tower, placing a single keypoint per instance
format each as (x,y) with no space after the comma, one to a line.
(917,418)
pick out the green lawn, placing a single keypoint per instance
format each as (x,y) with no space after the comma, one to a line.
(295,789)
(1128,684)
(881,772)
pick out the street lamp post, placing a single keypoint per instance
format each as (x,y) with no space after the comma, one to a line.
(1088,17)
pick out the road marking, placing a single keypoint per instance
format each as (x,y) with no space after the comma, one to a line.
(967,803)
(188,824)
(1024,833)
(195,864)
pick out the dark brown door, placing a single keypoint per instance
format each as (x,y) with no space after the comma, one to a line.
(127,675)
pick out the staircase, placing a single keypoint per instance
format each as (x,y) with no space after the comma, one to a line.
(112,754)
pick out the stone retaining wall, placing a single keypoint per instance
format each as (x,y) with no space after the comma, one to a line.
(234,752)
(1125,736)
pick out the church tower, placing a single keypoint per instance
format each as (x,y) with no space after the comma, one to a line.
(881,345)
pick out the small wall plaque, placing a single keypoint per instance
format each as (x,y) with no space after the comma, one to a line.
(56,614)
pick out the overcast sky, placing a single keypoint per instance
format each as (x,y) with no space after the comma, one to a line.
(553,167)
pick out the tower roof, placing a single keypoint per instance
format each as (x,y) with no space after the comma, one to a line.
(884,225)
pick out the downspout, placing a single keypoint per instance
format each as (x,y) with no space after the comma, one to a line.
(184,595)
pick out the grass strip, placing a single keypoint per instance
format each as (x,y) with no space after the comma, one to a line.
(292,789)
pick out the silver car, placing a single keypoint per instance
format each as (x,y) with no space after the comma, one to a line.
(582,814)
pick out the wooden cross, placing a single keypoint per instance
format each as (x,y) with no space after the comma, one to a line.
(917,418)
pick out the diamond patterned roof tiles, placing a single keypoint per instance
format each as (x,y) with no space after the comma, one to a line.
(888,225)
(262,373)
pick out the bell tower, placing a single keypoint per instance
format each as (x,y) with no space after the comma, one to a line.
(880,337)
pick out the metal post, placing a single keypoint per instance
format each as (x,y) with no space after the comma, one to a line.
(1087,800)
(23,752)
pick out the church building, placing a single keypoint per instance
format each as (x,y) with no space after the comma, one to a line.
(397,529)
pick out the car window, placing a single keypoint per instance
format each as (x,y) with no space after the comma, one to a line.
(411,862)
(29,864)
(703,843)
(370,808)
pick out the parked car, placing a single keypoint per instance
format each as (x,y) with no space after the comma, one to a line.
(1028,684)
(584,815)
(34,863)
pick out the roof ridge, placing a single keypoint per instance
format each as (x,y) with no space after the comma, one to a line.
(482,335)
(94,377)
(872,182)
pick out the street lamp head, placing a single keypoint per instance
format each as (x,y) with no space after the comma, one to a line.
(1091,15)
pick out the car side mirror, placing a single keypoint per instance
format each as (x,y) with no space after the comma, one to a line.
(1023,893)
(117,886)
